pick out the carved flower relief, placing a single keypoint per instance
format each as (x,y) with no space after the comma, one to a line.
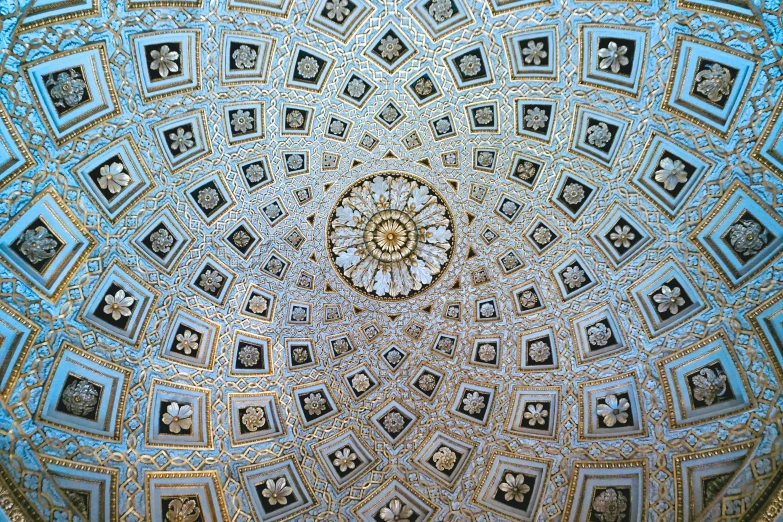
(573,193)
(161,240)
(308,67)
(389,114)
(441,10)
(614,410)
(341,346)
(187,342)
(444,459)
(208,198)
(360,382)
(273,211)
(622,236)
(669,300)
(295,162)
(599,135)
(390,47)
(514,487)
(295,119)
(747,237)
(337,127)
(535,118)
(391,236)
(277,492)
(527,299)
(80,398)
(210,281)
(249,355)
(470,65)
(113,178)
(485,116)
(539,351)
(183,510)
(670,173)
(534,52)
(442,126)
(393,422)
(525,170)
(574,277)
(427,382)
(254,418)
(487,310)
(66,88)
(344,459)
(394,357)
(542,235)
(613,57)
(242,121)
(37,244)
(299,314)
(396,512)
(610,505)
(411,140)
(178,418)
(509,208)
(367,141)
(535,414)
(423,86)
(599,334)
(299,354)
(257,304)
(118,305)
(241,238)
(315,404)
(714,82)
(473,402)
(244,57)
(487,352)
(356,88)
(181,140)
(446,344)
(337,10)
(708,385)
(164,61)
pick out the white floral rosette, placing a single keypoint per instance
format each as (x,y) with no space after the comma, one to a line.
(390,235)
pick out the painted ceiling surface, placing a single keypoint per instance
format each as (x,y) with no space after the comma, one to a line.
(464,260)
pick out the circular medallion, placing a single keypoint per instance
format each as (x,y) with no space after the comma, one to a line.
(390,235)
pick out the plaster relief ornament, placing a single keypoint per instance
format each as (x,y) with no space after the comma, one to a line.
(539,351)
(715,82)
(360,382)
(356,88)
(249,355)
(427,382)
(473,403)
(484,116)
(80,398)
(514,487)
(709,385)
(161,240)
(613,57)
(183,510)
(210,281)
(610,505)
(337,10)
(393,422)
(470,65)
(390,236)
(423,87)
(37,245)
(277,492)
(66,89)
(307,67)
(599,135)
(486,352)
(535,118)
(670,173)
(534,52)
(245,57)
(599,334)
(118,305)
(181,141)
(747,237)
(441,10)
(113,178)
(254,418)
(295,119)
(315,404)
(536,414)
(164,61)
(343,459)
(177,417)
(669,300)
(444,459)
(242,121)
(622,236)
(613,410)
(187,342)
(396,512)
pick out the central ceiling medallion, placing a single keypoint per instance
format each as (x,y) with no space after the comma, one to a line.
(390,236)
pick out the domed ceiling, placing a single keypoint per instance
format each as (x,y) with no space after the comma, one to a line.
(448,260)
